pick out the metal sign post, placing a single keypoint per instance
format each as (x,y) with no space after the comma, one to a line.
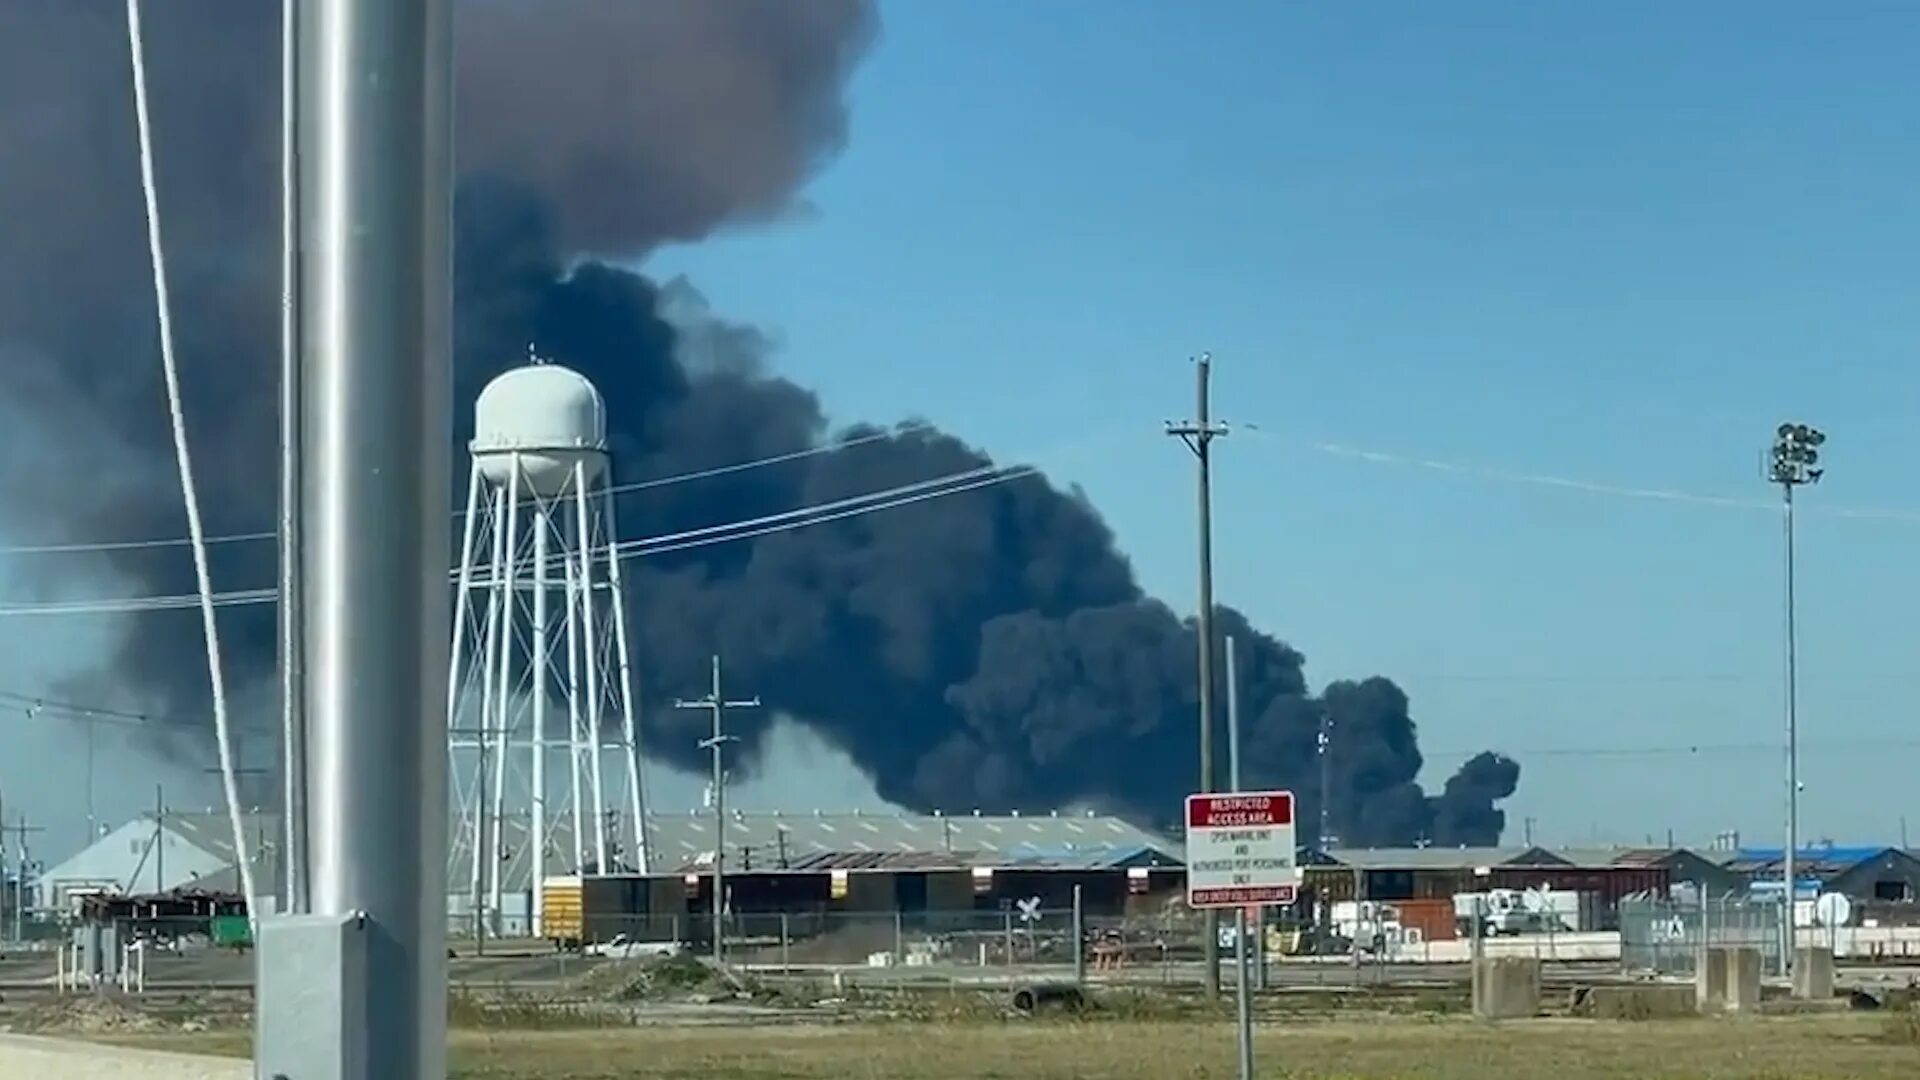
(1240,853)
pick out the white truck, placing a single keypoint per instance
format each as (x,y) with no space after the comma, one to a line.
(1518,911)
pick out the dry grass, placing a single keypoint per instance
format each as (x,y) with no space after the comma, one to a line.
(1839,1047)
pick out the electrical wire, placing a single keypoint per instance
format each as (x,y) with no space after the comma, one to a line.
(1569,483)
(196,532)
(36,705)
(801,517)
(102,546)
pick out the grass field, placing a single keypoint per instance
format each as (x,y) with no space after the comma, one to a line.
(1833,1047)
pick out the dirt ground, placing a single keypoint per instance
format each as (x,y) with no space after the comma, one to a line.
(1833,1047)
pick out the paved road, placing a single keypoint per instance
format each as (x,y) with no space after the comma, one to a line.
(54,1059)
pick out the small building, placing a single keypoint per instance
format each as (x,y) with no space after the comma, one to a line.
(176,851)
(1878,874)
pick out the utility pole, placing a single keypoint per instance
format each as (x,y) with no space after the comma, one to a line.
(1794,463)
(716,703)
(159,839)
(21,830)
(1323,746)
(1199,434)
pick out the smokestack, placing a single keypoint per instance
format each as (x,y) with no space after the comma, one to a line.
(991,648)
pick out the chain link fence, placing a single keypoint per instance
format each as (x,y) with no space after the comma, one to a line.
(1662,936)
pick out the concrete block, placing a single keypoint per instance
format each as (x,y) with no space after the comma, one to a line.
(1743,980)
(1508,988)
(1813,974)
(1647,1002)
(1710,981)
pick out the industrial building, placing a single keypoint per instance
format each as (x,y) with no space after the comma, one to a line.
(926,869)
(1606,875)
(1879,874)
(162,853)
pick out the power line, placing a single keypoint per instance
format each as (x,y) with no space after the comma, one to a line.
(1569,483)
(618,489)
(816,514)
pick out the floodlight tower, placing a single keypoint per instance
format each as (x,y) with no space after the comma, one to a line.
(1795,462)
(540,533)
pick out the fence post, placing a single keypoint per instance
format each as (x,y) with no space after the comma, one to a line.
(899,939)
(786,945)
(1079,939)
(1260,948)
(1008,917)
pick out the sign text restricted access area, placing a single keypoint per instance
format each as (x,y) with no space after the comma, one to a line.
(1240,849)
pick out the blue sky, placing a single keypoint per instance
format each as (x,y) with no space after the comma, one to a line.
(1610,242)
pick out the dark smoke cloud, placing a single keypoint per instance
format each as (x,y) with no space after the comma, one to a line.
(990,649)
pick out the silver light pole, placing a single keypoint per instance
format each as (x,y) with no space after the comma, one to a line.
(1794,463)
(357,988)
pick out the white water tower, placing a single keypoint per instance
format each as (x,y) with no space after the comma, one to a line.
(540,656)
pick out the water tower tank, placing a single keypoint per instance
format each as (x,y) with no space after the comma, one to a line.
(550,416)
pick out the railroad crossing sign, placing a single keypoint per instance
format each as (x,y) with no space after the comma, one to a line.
(1029,909)
(1240,850)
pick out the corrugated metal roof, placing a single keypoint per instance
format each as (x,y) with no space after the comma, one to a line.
(1428,858)
(683,842)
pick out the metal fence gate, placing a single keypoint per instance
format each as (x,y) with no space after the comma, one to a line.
(1667,937)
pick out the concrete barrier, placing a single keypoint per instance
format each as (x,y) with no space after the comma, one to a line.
(1710,981)
(1743,979)
(1813,974)
(58,1059)
(1728,980)
(1507,988)
(1656,1001)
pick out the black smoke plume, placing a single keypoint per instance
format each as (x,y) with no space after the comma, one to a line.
(990,649)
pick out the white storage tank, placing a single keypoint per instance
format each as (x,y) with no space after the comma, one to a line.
(551,417)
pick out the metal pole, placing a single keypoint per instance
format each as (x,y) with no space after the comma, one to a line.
(374,153)
(537,827)
(1479,918)
(719,824)
(489,649)
(718,704)
(1793,744)
(629,729)
(1243,995)
(590,657)
(93,821)
(292,752)
(1243,990)
(575,741)
(1199,436)
(508,584)
(1079,938)
(159,839)
(1233,719)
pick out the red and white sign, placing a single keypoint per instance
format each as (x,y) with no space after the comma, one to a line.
(1240,850)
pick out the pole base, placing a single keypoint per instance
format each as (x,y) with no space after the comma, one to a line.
(311,977)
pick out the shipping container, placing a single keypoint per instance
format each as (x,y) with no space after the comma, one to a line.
(1434,919)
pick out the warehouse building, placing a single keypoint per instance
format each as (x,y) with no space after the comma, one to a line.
(1432,873)
(1874,874)
(925,867)
(163,853)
